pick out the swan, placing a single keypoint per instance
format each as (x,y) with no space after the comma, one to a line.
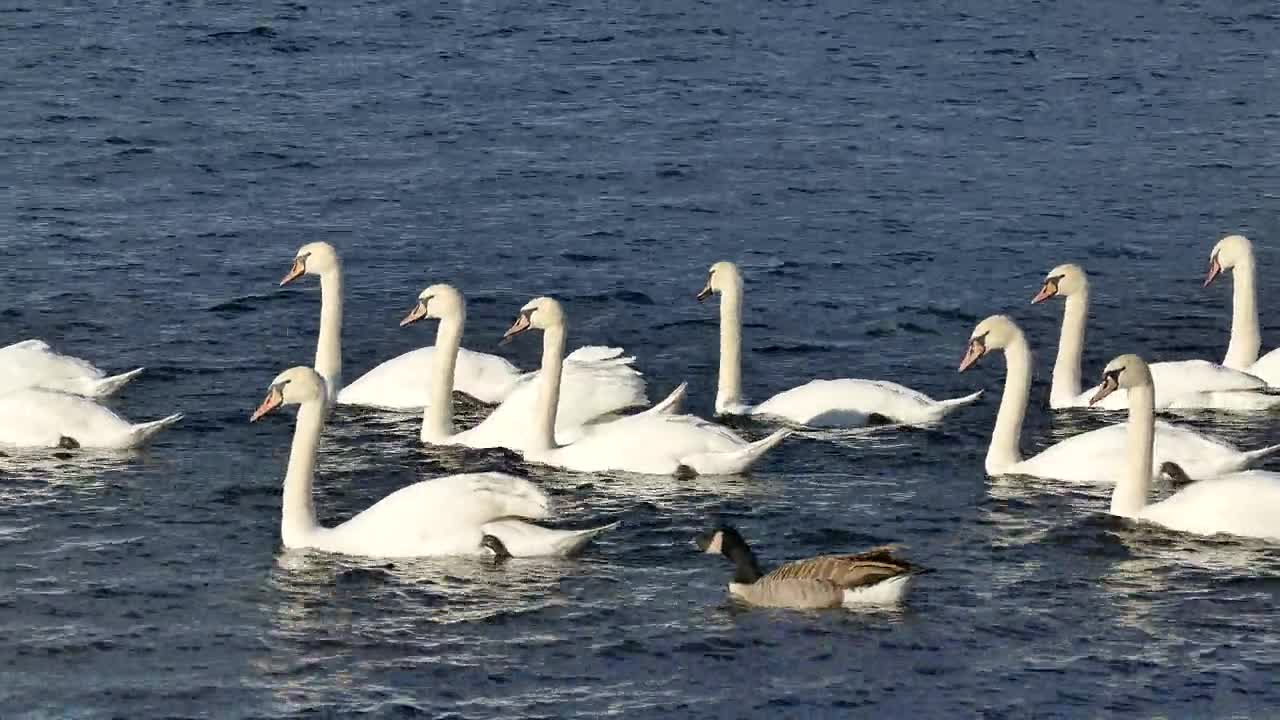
(590,388)
(445,516)
(649,443)
(397,383)
(874,577)
(1235,253)
(819,403)
(39,418)
(32,363)
(1094,456)
(1181,384)
(1245,503)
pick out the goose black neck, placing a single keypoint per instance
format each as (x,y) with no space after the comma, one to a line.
(746,569)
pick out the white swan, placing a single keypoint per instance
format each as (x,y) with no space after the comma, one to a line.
(1235,253)
(32,363)
(1179,384)
(1240,503)
(1095,456)
(396,384)
(819,403)
(38,418)
(649,443)
(445,516)
(590,388)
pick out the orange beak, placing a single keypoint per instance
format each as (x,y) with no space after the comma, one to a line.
(1214,270)
(1109,385)
(418,312)
(295,272)
(1046,292)
(273,400)
(972,354)
(522,323)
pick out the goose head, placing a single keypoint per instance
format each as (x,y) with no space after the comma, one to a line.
(1123,373)
(1065,280)
(723,276)
(316,258)
(541,313)
(727,541)
(721,540)
(437,303)
(294,386)
(1229,252)
(994,333)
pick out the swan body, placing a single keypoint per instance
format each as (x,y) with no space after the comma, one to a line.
(596,381)
(653,442)
(1246,504)
(1184,384)
(1235,253)
(874,577)
(848,402)
(1095,456)
(820,403)
(445,516)
(32,363)
(396,384)
(38,418)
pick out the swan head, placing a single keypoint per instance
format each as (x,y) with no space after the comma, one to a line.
(721,277)
(436,302)
(316,258)
(1123,373)
(540,313)
(1229,252)
(994,333)
(1065,280)
(294,386)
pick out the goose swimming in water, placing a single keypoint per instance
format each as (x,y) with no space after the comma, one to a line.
(873,577)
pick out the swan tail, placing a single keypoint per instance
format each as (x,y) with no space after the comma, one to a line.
(142,433)
(733,461)
(525,539)
(1253,457)
(953,403)
(111,384)
(670,405)
(571,542)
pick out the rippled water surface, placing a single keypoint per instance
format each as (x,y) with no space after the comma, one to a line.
(887,174)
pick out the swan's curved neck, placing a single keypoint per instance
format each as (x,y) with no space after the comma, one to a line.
(329,345)
(544,429)
(437,418)
(1246,341)
(1133,488)
(298,513)
(1003,452)
(1066,368)
(729,388)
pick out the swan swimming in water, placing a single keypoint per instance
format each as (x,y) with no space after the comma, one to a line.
(844,402)
(445,516)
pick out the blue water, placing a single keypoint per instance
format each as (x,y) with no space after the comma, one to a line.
(887,174)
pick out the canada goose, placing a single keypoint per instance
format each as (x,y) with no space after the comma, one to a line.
(873,577)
